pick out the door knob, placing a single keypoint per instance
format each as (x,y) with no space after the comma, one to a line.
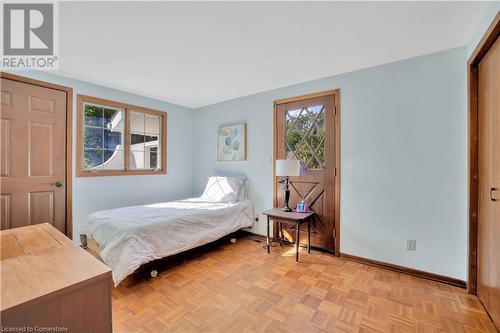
(492,196)
(58,184)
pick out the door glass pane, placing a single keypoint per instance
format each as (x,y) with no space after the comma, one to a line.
(305,136)
(103,138)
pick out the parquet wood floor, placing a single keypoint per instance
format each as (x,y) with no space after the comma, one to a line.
(240,288)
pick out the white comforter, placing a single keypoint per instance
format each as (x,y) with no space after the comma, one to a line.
(132,236)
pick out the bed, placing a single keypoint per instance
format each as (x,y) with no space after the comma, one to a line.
(129,237)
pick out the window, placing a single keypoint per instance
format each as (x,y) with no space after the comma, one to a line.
(119,139)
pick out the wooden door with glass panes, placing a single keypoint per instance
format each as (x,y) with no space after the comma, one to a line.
(307,130)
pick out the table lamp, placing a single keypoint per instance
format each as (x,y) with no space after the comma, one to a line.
(287,168)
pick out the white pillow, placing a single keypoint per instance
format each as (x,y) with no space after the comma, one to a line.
(223,189)
(243,191)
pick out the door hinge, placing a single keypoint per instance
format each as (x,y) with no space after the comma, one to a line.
(334,172)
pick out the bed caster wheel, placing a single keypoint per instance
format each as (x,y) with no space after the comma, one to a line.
(154,273)
(233,240)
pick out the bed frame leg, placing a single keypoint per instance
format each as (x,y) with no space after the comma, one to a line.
(233,238)
(83,240)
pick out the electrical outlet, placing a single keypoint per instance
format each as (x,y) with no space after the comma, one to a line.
(411,245)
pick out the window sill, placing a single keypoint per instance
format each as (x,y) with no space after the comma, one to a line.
(102,173)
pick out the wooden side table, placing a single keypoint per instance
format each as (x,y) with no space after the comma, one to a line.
(278,215)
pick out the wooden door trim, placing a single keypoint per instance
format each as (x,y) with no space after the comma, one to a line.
(69,139)
(482,48)
(336,100)
(307,96)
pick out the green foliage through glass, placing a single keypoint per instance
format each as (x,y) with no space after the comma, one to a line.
(305,136)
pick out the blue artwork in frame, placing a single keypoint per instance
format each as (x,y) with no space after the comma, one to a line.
(231,142)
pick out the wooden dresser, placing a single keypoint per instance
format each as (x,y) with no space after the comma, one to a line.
(49,282)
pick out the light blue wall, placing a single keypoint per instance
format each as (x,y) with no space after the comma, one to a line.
(483,26)
(403,158)
(91,194)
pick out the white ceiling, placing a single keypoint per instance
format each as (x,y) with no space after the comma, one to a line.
(195,54)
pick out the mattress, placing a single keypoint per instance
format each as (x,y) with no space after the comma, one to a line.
(132,236)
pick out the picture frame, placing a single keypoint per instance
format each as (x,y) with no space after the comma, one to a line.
(232,142)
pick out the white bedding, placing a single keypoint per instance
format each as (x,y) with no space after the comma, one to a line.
(132,236)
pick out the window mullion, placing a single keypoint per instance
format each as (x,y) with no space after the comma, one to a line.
(126,140)
(144,142)
(102,142)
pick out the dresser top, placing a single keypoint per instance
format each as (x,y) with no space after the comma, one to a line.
(39,260)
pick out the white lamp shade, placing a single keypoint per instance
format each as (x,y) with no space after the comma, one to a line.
(287,168)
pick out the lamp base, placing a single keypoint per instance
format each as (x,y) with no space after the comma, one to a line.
(287,197)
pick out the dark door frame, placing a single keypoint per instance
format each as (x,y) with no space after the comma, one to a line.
(69,139)
(482,48)
(336,94)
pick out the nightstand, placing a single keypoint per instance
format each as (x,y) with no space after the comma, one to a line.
(278,215)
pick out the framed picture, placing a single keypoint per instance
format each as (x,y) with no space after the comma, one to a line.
(232,142)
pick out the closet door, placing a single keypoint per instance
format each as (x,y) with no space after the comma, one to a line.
(33,155)
(488,255)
